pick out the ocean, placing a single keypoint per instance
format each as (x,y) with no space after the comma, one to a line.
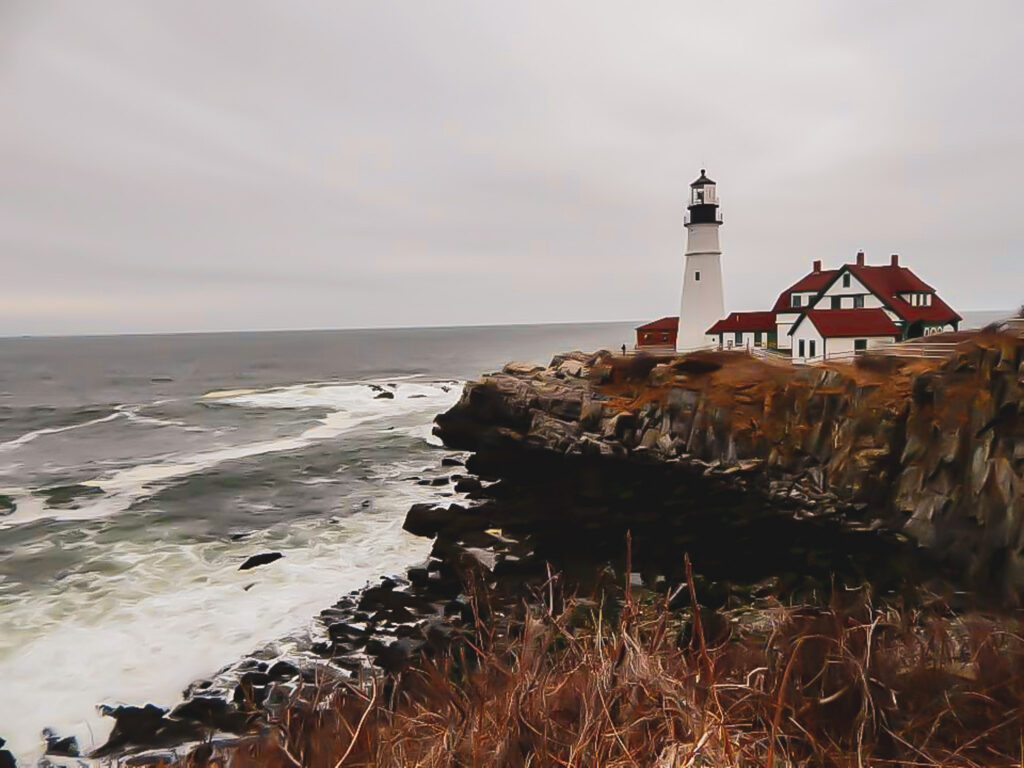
(137,473)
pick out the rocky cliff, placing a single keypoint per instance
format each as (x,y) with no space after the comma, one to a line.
(933,449)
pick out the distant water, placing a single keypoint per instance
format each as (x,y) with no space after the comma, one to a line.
(144,469)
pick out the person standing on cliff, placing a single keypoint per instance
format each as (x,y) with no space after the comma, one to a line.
(623,350)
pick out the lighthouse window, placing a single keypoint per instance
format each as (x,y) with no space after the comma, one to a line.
(696,276)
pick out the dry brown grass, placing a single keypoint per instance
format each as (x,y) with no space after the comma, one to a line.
(848,684)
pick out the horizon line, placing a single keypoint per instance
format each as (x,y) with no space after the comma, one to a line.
(116,334)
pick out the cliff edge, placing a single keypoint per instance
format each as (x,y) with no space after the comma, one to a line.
(933,449)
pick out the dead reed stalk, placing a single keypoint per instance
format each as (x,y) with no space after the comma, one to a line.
(845,684)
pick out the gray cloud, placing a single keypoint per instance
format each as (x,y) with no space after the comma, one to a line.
(188,165)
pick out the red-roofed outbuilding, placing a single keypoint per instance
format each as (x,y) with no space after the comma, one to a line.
(745,329)
(659,333)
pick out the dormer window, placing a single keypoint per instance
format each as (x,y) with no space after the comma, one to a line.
(796,300)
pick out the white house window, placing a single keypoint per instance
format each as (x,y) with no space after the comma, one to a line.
(801,348)
(796,300)
(858,302)
(846,280)
(812,345)
(696,276)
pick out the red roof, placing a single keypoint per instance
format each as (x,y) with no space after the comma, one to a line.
(847,323)
(665,324)
(888,281)
(814,281)
(744,321)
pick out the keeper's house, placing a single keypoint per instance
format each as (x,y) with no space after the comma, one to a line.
(834,312)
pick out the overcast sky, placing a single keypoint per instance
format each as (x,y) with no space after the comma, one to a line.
(182,166)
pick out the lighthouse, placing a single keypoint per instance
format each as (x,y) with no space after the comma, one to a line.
(703,301)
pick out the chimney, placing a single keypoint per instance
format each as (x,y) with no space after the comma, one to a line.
(860,258)
(817,267)
(895,261)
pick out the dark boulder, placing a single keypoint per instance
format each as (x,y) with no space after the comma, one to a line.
(251,689)
(261,559)
(448,461)
(418,576)
(212,712)
(468,485)
(342,632)
(395,656)
(388,598)
(282,670)
(428,519)
(384,395)
(61,747)
(137,726)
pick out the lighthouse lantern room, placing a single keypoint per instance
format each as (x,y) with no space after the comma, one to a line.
(703,301)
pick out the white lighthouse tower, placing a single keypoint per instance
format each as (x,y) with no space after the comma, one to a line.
(703,301)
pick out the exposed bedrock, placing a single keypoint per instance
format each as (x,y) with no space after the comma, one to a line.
(933,449)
